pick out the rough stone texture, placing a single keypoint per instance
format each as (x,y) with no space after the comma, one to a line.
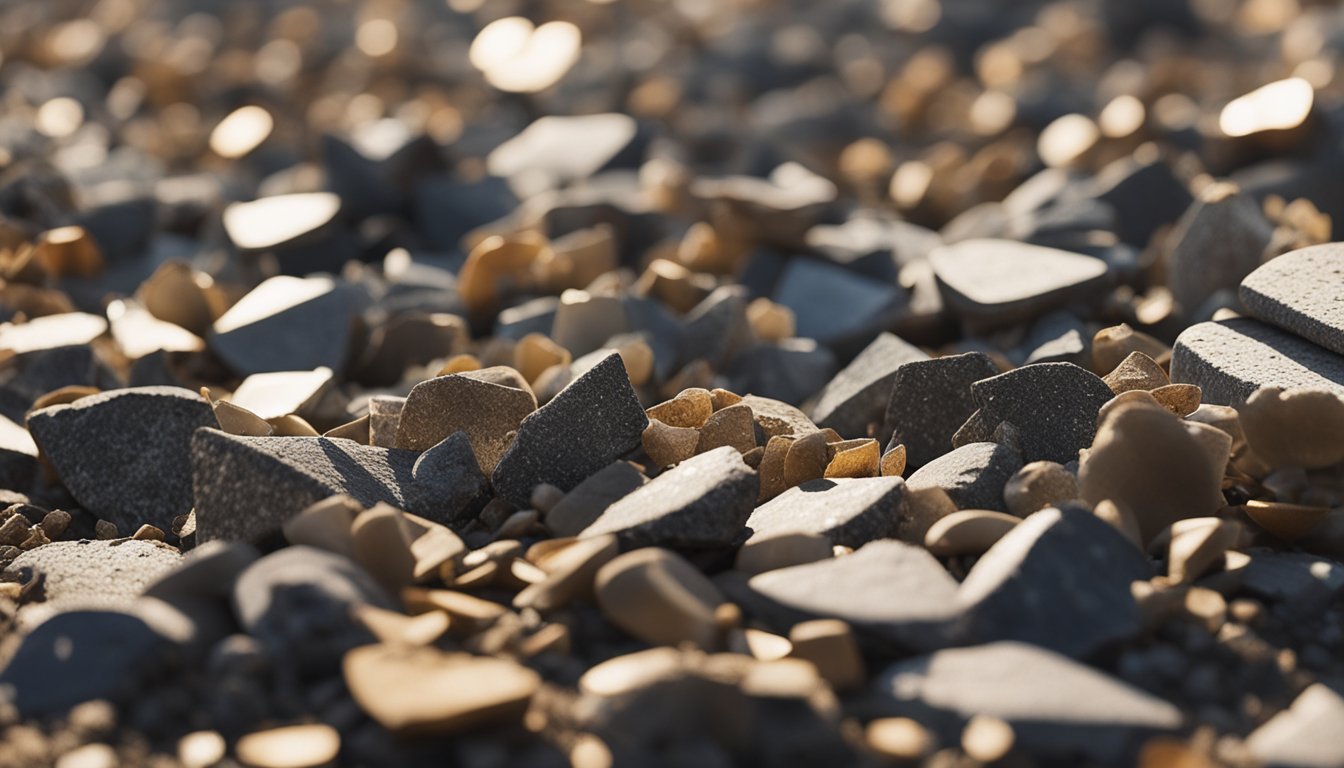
(892,593)
(995,283)
(701,503)
(858,395)
(1060,580)
(287,324)
(1217,243)
(88,574)
(589,499)
(1231,359)
(486,412)
(1302,736)
(1053,406)
(1302,292)
(124,455)
(973,475)
(1082,712)
(246,487)
(447,485)
(851,512)
(591,423)
(777,418)
(930,400)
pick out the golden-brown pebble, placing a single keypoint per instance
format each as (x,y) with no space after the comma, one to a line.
(498,259)
(1172,753)
(472,578)
(68,252)
(690,408)
(395,627)
(632,672)
(1196,545)
(1136,371)
(104,530)
(237,420)
(853,458)
(589,751)
(987,738)
(535,353)
(732,426)
(782,550)
(291,426)
(898,738)
(570,573)
(893,461)
(674,285)
(325,525)
(1180,399)
(1158,601)
(294,746)
(1208,606)
(1289,522)
(657,596)
(1120,519)
(830,645)
(38,537)
(722,398)
(1244,610)
(1296,427)
(782,679)
(770,321)
(771,468)
(415,691)
(357,430)
(1038,485)
(148,532)
(459,364)
(760,645)
(1134,397)
(968,532)
(201,749)
(667,445)
(1110,346)
(805,460)
(924,507)
(753,457)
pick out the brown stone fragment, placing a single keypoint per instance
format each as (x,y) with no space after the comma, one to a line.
(968,532)
(1136,371)
(731,426)
(667,445)
(853,458)
(690,408)
(830,645)
(1180,399)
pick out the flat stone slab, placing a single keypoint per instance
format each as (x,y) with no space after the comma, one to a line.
(591,423)
(1053,406)
(830,303)
(88,574)
(1082,712)
(125,454)
(287,324)
(995,283)
(848,511)
(702,502)
(1301,292)
(929,400)
(857,396)
(1230,359)
(973,475)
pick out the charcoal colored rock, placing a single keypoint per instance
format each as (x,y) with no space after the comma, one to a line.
(1301,292)
(287,324)
(1059,580)
(73,575)
(702,502)
(996,283)
(1082,714)
(447,484)
(848,511)
(246,487)
(973,475)
(1230,359)
(1218,242)
(590,498)
(1145,193)
(791,370)
(930,400)
(486,412)
(1053,406)
(716,329)
(1057,337)
(858,395)
(124,455)
(831,304)
(591,423)
(1293,576)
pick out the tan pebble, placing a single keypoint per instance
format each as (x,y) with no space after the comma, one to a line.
(383,547)
(494,261)
(535,353)
(631,672)
(968,532)
(806,460)
(294,746)
(201,749)
(474,578)
(63,396)
(770,321)
(1297,427)
(830,645)
(782,550)
(589,751)
(468,613)
(68,252)
(395,627)
(291,426)
(898,738)
(832,437)
(722,398)
(459,364)
(37,537)
(732,426)
(1208,606)
(691,408)
(658,597)
(569,574)
(325,525)
(893,461)
(782,679)
(669,445)
(1216,443)
(55,522)
(89,756)
(1136,371)
(1110,346)
(178,294)
(853,458)
(1139,397)
(148,532)
(674,285)
(771,468)
(518,524)
(1196,545)
(14,530)
(1157,600)
(924,507)
(104,530)
(637,356)
(416,691)
(357,430)
(1289,522)
(987,738)
(1180,399)
(753,457)
(552,638)
(1120,519)
(760,645)
(1038,485)
(10,590)
(237,420)
(433,545)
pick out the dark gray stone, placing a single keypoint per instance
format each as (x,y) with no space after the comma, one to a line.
(791,370)
(717,329)
(590,498)
(18,456)
(447,485)
(289,324)
(1057,337)
(1053,406)
(1059,580)
(857,398)
(892,593)
(1218,242)
(930,400)
(1293,576)
(1300,736)
(1301,292)
(593,422)
(1082,712)
(831,304)
(124,455)
(702,502)
(246,487)
(849,511)
(1231,359)
(973,475)
(73,575)
(996,283)
(1145,193)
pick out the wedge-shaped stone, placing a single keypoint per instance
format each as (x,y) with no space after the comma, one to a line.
(1230,359)
(848,511)
(485,411)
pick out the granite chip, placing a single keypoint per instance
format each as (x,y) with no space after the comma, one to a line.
(1230,359)
(1053,406)
(447,485)
(1301,292)
(73,575)
(929,402)
(857,397)
(849,511)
